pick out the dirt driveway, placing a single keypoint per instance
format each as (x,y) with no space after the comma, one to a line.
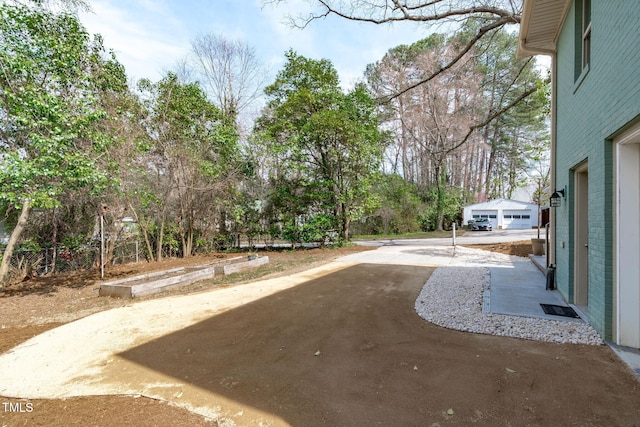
(346,348)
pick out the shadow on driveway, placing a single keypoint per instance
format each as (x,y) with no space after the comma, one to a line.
(348,349)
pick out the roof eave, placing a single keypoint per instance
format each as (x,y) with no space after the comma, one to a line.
(525,50)
(546,36)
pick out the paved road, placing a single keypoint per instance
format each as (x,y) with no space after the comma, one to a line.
(469,238)
(431,252)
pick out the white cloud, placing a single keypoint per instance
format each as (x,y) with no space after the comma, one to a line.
(149,36)
(146,46)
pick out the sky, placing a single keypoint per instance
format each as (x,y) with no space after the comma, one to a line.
(150,36)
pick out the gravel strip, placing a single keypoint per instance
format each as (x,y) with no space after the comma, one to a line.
(452,298)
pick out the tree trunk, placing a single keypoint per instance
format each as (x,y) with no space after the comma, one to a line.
(439,210)
(147,241)
(187,249)
(439,202)
(13,240)
(110,247)
(346,222)
(159,241)
(54,241)
(145,233)
(491,163)
(405,158)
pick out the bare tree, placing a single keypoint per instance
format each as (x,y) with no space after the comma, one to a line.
(230,71)
(432,118)
(386,76)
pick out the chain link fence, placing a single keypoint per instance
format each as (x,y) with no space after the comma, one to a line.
(126,252)
(28,262)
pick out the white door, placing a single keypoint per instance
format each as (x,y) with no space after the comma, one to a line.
(628,237)
(581,238)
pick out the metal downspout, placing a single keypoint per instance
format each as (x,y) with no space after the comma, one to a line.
(553,172)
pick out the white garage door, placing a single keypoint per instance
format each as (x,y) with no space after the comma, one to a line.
(492,215)
(516,219)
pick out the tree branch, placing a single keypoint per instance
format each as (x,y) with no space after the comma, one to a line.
(402,13)
(481,33)
(429,11)
(490,118)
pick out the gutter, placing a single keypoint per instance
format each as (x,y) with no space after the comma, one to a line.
(547,45)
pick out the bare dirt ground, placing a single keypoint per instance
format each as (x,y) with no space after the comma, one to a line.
(343,355)
(29,308)
(521,248)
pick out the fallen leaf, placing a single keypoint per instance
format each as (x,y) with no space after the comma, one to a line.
(449,411)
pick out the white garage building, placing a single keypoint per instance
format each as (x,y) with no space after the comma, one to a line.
(504,213)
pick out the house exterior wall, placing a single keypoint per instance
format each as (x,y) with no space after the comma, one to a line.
(590,110)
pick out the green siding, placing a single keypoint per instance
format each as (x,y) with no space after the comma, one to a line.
(590,109)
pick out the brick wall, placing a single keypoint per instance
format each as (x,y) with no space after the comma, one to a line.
(589,111)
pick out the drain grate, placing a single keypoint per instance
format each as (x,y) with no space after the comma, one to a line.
(559,310)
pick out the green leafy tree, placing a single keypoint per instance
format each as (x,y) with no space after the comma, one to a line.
(73,221)
(195,155)
(400,207)
(443,209)
(125,160)
(328,142)
(48,141)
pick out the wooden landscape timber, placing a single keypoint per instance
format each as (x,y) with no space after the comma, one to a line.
(160,281)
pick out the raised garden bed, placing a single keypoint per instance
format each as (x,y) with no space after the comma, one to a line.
(160,281)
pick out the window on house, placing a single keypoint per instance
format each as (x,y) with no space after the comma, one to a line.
(583,36)
(586,33)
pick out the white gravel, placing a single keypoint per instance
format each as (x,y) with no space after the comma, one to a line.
(452,298)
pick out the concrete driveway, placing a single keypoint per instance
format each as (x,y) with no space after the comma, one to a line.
(469,238)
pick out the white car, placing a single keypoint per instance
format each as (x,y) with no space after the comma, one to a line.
(482,224)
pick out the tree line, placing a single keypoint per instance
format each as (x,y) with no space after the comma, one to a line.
(80,144)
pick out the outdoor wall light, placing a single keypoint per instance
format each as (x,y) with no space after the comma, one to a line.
(555,200)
